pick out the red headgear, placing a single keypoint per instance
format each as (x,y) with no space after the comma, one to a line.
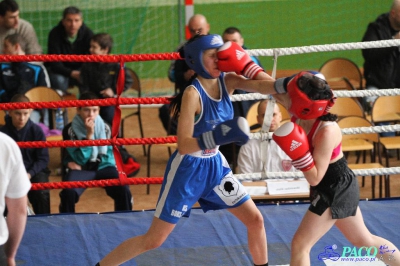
(303,106)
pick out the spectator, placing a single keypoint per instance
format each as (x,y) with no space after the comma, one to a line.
(101,78)
(233,34)
(382,66)
(19,77)
(91,162)
(10,23)
(250,160)
(180,73)
(70,36)
(14,187)
(20,128)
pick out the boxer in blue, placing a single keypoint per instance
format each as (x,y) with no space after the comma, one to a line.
(197,171)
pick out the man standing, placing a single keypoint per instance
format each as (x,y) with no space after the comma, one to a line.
(382,66)
(11,23)
(14,185)
(182,73)
(70,36)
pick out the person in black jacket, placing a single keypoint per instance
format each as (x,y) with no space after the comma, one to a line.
(20,128)
(382,66)
(70,36)
(101,78)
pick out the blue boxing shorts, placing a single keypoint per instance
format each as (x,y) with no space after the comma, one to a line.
(203,177)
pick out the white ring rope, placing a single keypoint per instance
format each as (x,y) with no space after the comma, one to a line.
(276,52)
(345,131)
(323,48)
(337,93)
(298,174)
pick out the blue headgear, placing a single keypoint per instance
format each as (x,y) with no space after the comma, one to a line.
(194,52)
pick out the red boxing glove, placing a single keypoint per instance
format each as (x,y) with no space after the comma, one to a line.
(232,57)
(293,141)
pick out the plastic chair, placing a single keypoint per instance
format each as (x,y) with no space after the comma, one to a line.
(45,94)
(344,107)
(2,117)
(361,143)
(170,146)
(387,109)
(336,70)
(126,112)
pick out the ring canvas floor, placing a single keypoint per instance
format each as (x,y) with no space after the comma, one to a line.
(212,238)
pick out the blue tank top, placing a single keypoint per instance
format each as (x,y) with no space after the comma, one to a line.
(213,111)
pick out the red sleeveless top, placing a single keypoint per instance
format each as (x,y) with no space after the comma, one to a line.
(313,131)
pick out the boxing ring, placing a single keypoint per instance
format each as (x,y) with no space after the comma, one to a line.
(214,238)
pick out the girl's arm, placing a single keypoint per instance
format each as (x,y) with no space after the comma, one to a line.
(263,84)
(189,108)
(259,80)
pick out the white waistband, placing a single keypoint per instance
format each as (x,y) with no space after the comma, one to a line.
(204,153)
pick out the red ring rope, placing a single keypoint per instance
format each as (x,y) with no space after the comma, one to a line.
(114,141)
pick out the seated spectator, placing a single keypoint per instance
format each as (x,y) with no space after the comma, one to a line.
(250,159)
(101,78)
(19,77)
(11,23)
(91,162)
(19,127)
(70,36)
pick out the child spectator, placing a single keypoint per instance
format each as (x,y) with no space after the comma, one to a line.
(20,128)
(19,77)
(91,162)
(101,78)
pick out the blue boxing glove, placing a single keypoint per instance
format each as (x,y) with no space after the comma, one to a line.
(235,130)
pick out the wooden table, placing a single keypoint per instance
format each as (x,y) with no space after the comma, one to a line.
(268,198)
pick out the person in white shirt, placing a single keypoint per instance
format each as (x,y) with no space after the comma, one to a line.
(249,158)
(14,187)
